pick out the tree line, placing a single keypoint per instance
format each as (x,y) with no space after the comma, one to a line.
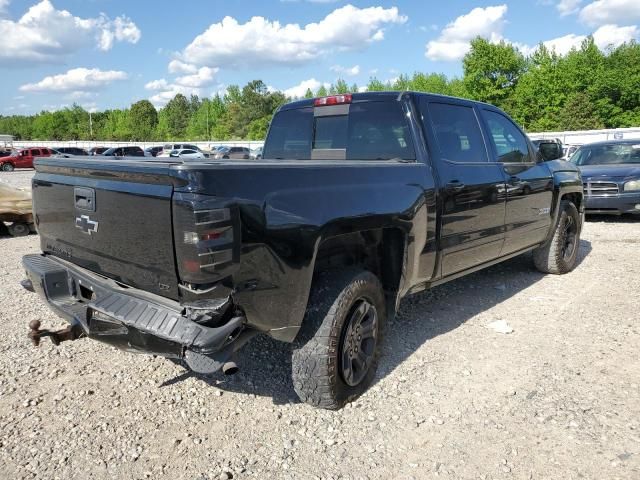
(584,89)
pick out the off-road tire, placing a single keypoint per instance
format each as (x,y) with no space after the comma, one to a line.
(8,167)
(552,257)
(316,371)
(19,229)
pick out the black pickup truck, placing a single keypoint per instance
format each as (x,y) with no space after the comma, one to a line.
(359,200)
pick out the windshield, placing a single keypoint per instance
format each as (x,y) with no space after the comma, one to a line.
(612,154)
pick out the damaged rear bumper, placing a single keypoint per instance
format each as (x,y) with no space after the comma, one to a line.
(129,318)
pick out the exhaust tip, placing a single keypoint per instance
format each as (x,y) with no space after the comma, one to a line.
(230,368)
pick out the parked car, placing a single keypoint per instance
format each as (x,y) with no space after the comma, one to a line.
(23,158)
(169,147)
(186,153)
(315,244)
(238,153)
(153,151)
(8,152)
(97,150)
(256,154)
(124,152)
(611,176)
(569,150)
(72,151)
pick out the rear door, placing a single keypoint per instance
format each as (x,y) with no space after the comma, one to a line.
(472,187)
(529,183)
(111,217)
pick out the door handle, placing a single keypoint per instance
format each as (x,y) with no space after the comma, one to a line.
(455,186)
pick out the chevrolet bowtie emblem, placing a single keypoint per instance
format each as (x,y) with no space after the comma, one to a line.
(88,226)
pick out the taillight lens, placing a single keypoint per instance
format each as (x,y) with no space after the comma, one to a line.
(207,239)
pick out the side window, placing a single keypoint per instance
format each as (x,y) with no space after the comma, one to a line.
(458,132)
(509,142)
(35,153)
(24,153)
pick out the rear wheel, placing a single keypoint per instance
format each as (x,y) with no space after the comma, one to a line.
(560,254)
(19,229)
(8,167)
(337,351)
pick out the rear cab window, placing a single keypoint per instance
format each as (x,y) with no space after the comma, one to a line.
(367,130)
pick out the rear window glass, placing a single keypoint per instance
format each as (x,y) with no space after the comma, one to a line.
(290,135)
(371,131)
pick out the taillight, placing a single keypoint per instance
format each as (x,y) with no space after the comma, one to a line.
(332,100)
(207,239)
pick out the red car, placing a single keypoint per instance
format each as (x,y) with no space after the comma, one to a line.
(23,159)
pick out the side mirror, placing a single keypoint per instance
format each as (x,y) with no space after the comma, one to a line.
(548,151)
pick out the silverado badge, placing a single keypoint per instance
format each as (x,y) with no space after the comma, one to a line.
(88,226)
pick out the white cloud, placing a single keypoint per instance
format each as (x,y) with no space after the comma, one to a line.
(299,90)
(44,34)
(350,71)
(261,41)
(160,84)
(122,30)
(3,7)
(567,7)
(192,84)
(454,41)
(603,12)
(605,36)
(202,78)
(613,35)
(176,66)
(75,80)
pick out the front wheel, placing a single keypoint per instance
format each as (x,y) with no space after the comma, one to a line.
(7,167)
(337,350)
(560,254)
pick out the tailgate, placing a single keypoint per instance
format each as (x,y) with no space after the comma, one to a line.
(112,217)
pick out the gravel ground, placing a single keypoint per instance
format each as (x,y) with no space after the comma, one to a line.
(558,398)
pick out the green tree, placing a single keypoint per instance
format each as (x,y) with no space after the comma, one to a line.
(579,113)
(144,120)
(376,85)
(491,71)
(178,113)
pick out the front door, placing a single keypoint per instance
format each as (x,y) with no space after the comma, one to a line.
(529,183)
(472,188)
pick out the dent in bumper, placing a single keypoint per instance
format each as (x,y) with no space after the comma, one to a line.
(127,318)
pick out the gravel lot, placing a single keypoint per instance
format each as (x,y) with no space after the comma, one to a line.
(559,398)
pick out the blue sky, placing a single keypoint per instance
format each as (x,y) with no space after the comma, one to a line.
(108,53)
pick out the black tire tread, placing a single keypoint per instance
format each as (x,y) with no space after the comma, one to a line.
(548,257)
(313,370)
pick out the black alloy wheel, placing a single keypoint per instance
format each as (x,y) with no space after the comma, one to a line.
(359,342)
